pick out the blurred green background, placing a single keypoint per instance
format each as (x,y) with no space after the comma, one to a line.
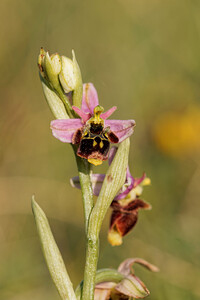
(142,56)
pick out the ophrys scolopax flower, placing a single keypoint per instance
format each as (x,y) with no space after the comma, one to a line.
(92,131)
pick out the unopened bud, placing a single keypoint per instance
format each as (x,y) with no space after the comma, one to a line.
(67,75)
(53,68)
(55,63)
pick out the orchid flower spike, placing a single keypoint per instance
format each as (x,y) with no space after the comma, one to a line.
(126,203)
(92,131)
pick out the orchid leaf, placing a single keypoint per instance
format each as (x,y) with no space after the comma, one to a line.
(52,255)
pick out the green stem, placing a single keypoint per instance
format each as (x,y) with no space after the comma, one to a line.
(113,181)
(84,169)
(92,254)
(92,245)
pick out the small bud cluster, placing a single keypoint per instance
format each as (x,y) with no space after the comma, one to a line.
(63,77)
(58,70)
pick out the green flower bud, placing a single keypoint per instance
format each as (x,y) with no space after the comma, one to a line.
(53,68)
(67,75)
(55,63)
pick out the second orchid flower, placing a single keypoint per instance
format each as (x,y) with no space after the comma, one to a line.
(125,205)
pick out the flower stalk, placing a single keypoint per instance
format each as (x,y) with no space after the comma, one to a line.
(84,170)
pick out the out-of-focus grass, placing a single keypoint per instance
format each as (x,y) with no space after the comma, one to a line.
(142,56)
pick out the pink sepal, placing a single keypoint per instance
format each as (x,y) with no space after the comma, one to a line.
(64,129)
(96,180)
(121,128)
(90,98)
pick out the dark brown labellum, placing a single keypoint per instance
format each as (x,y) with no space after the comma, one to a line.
(125,217)
(94,142)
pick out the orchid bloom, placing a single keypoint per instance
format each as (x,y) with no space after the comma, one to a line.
(92,131)
(126,203)
(130,287)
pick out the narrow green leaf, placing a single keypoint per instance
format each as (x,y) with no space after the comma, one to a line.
(52,255)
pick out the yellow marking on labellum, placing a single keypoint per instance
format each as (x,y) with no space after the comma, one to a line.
(96,119)
(85,133)
(95,161)
(94,143)
(100,145)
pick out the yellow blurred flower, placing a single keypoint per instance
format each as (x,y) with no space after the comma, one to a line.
(177,133)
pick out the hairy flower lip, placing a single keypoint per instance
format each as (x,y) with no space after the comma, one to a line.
(115,131)
(125,217)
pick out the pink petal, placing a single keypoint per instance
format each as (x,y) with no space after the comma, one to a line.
(125,267)
(90,98)
(75,182)
(121,128)
(96,180)
(64,129)
(84,116)
(112,153)
(108,113)
(103,290)
(137,181)
(102,294)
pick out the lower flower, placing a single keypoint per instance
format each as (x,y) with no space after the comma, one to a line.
(124,217)
(125,205)
(129,287)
